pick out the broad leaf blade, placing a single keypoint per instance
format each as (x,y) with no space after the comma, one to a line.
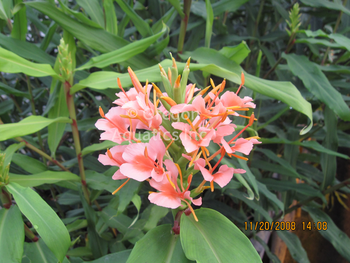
(45,220)
(11,235)
(208,239)
(317,83)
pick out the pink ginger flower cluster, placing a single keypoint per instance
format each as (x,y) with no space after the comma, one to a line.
(168,161)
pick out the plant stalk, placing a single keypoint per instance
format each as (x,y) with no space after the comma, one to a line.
(183,25)
(75,131)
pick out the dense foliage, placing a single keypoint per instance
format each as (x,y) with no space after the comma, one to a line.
(60,61)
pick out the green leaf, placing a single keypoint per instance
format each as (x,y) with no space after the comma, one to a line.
(308,144)
(6,106)
(13,91)
(38,252)
(209,23)
(9,152)
(19,30)
(48,177)
(94,10)
(56,129)
(294,245)
(122,54)
(155,214)
(327,4)
(28,164)
(78,15)
(329,162)
(11,235)
(141,25)
(44,219)
(98,147)
(236,53)
(5,9)
(271,196)
(317,83)
(120,257)
(227,6)
(26,50)
(158,245)
(208,239)
(339,240)
(111,17)
(177,5)
(91,36)
(26,126)
(11,63)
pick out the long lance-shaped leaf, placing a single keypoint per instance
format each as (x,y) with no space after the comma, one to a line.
(11,235)
(48,177)
(123,53)
(96,38)
(213,62)
(27,126)
(317,83)
(141,25)
(44,219)
(327,4)
(11,63)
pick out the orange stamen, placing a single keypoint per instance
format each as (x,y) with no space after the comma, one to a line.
(193,158)
(216,165)
(180,173)
(135,81)
(189,180)
(199,188)
(202,92)
(169,100)
(172,184)
(120,187)
(205,157)
(189,122)
(172,140)
(251,120)
(222,86)
(159,93)
(212,186)
(120,86)
(242,82)
(239,157)
(190,207)
(101,112)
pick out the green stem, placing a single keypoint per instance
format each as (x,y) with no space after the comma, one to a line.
(30,234)
(75,131)
(5,198)
(183,25)
(32,104)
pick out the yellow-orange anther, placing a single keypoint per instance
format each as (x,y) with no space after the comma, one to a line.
(169,100)
(158,91)
(120,187)
(177,82)
(135,81)
(169,74)
(101,112)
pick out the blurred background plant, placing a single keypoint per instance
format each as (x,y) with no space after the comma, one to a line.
(295,55)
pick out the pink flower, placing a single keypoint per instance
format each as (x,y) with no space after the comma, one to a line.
(145,160)
(170,195)
(116,127)
(114,157)
(230,99)
(240,145)
(191,139)
(222,177)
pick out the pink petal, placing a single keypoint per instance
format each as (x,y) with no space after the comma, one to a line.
(206,174)
(197,202)
(189,144)
(138,172)
(118,175)
(243,146)
(224,175)
(171,167)
(165,200)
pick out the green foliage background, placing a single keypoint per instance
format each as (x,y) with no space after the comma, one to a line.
(296,66)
